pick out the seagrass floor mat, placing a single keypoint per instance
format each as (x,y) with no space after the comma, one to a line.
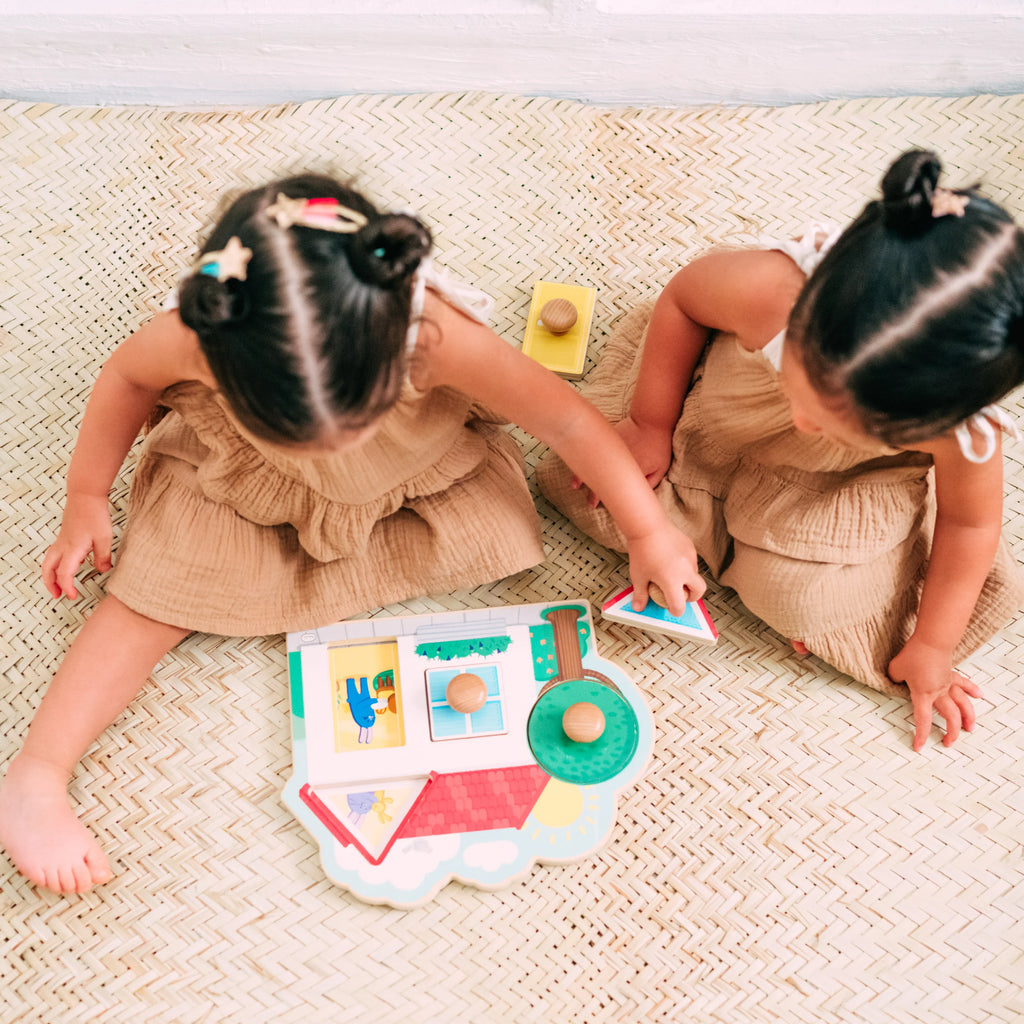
(786,857)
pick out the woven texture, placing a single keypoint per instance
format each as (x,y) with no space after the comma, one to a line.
(786,857)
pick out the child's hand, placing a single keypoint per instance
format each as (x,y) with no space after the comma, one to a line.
(651,448)
(666,557)
(935,686)
(86,528)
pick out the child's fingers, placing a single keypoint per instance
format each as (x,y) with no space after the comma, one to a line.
(967,714)
(578,484)
(922,722)
(961,693)
(696,588)
(641,595)
(66,577)
(950,711)
(66,569)
(972,689)
(59,571)
(49,571)
(672,598)
(101,554)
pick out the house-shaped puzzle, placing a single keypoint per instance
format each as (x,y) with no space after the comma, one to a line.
(416,756)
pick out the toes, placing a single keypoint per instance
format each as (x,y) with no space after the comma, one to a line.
(66,879)
(83,877)
(51,880)
(98,868)
(36,875)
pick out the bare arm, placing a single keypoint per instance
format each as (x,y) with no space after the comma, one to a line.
(471,358)
(969,499)
(160,354)
(745,293)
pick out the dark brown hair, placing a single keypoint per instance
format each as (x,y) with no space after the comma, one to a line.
(917,319)
(314,338)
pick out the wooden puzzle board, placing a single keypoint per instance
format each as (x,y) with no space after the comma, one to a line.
(461,796)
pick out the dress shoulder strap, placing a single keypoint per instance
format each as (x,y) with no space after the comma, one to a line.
(807,250)
(474,303)
(984,422)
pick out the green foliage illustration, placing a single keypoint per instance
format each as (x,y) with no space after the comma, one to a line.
(447,650)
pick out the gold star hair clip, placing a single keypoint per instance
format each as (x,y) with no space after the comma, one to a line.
(945,202)
(229,262)
(322,214)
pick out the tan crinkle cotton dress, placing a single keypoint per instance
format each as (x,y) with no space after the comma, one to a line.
(824,543)
(228,535)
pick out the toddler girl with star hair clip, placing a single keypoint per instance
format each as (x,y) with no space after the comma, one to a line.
(334,442)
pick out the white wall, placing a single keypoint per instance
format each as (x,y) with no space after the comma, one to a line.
(198,52)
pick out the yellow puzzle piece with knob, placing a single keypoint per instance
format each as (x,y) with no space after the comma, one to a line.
(564,351)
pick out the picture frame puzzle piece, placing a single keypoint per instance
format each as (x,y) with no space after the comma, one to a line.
(368,815)
(366,695)
(448,721)
(694,624)
(558,341)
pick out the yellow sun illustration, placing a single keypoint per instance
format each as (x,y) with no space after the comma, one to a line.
(561,806)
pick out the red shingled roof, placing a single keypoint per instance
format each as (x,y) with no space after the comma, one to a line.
(471,801)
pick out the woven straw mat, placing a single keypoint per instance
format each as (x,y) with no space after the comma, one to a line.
(786,857)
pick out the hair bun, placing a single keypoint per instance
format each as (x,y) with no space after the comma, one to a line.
(907,190)
(205,304)
(388,250)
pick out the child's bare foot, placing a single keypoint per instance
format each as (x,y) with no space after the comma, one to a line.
(40,832)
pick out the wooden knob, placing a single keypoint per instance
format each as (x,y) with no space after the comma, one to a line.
(657,595)
(558,315)
(583,722)
(466,693)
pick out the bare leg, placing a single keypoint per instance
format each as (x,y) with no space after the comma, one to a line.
(105,667)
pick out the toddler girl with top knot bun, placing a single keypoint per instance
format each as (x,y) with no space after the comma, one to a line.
(820,418)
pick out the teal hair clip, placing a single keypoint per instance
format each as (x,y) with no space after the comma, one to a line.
(230,262)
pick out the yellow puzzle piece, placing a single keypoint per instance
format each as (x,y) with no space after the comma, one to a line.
(566,352)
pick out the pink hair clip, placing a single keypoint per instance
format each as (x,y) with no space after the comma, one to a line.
(229,262)
(945,202)
(323,214)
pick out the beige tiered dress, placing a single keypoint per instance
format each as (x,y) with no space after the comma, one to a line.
(824,543)
(228,535)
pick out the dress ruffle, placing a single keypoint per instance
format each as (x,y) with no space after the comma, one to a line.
(228,534)
(333,502)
